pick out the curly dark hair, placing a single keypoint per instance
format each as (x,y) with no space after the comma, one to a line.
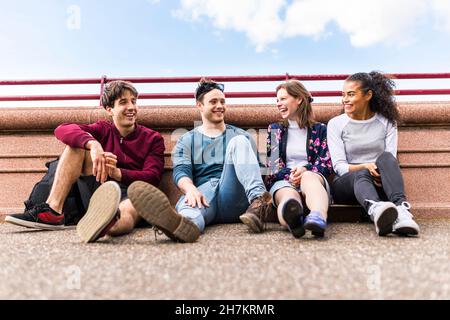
(382,87)
(204,86)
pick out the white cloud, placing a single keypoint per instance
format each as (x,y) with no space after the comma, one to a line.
(258,19)
(442,13)
(367,22)
(384,21)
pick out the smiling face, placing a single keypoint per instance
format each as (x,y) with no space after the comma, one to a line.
(355,100)
(124,113)
(288,105)
(212,107)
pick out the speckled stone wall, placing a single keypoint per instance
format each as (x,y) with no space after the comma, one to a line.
(27,142)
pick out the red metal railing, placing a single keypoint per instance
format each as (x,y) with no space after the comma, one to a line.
(259,94)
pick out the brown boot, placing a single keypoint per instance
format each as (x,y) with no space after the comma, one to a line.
(154,206)
(258,212)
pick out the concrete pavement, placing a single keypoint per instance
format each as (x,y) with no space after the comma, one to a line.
(228,262)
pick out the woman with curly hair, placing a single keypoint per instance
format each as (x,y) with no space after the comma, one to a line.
(298,162)
(363,148)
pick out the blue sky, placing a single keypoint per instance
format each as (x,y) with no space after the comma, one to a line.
(82,38)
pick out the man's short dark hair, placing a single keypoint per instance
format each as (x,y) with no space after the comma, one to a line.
(205,85)
(114,90)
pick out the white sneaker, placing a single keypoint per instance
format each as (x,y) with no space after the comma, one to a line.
(383,215)
(405,225)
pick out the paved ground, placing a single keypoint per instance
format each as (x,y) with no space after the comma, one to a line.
(352,262)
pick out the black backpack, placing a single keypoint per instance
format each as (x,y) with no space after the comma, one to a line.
(73,206)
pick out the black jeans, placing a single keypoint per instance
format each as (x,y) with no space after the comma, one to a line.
(357,186)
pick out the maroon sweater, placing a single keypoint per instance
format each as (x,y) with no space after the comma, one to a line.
(140,155)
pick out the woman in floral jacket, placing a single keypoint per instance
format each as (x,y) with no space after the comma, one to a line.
(298,161)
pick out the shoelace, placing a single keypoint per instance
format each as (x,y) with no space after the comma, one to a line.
(265,209)
(36,209)
(316,217)
(372,207)
(404,210)
(406,205)
(157,232)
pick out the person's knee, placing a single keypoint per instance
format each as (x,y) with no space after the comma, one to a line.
(238,141)
(126,209)
(74,150)
(309,177)
(78,157)
(284,194)
(72,154)
(363,175)
(385,157)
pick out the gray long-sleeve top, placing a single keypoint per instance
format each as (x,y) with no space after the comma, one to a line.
(359,141)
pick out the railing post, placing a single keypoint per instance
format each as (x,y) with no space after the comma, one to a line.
(102,87)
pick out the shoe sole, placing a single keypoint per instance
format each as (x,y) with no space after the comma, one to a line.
(253,225)
(154,206)
(292,211)
(386,221)
(406,231)
(102,209)
(33,225)
(315,229)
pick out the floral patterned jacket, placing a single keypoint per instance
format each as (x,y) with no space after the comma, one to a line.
(316,148)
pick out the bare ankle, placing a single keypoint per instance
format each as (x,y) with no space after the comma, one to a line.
(55,206)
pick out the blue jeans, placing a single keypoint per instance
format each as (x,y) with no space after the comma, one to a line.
(229,196)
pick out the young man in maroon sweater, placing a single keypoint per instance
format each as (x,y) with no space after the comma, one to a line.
(114,154)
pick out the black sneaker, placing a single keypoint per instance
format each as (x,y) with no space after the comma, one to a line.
(41,216)
(292,212)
